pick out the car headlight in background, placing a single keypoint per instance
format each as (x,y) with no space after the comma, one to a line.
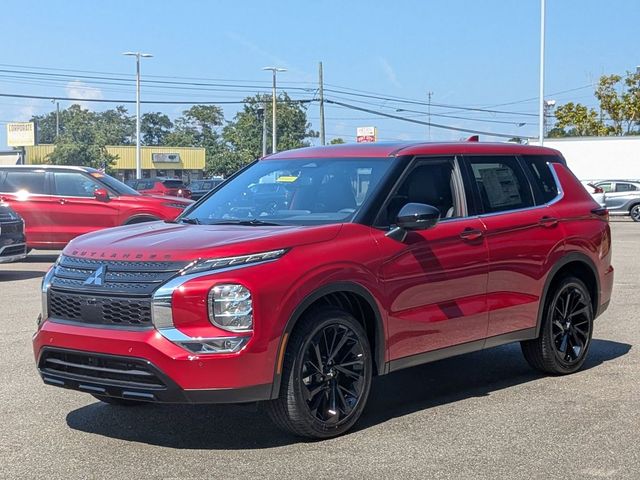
(231,307)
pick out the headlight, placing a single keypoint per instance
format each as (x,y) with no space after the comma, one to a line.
(215,263)
(231,308)
(181,206)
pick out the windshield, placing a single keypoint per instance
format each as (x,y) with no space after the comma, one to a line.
(293,192)
(116,185)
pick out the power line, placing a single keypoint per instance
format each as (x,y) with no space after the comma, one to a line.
(420,122)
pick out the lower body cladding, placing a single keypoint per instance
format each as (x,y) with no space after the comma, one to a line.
(143,365)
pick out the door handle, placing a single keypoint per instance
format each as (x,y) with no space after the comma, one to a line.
(548,222)
(470,234)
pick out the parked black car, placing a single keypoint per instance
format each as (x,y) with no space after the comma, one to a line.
(13,245)
(199,188)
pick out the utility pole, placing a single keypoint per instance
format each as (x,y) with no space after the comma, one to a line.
(541,98)
(262,111)
(429,94)
(274,135)
(138,55)
(57,117)
(321,91)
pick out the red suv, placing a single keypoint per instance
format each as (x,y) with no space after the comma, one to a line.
(161,186)
(60,203)
(376,258)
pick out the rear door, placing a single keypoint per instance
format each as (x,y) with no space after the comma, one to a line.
(77,210)
(26,190)
(522,231)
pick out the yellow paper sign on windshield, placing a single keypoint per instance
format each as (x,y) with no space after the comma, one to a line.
(287,178)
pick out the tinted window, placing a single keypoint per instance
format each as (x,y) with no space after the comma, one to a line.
(429,183)
(173,184)
(73,184)
(502,183)
(30,181)
(540,171)
(625,187)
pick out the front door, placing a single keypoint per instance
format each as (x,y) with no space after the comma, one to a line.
(77,211)
(435,280)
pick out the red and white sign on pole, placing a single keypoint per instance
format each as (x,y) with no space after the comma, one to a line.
(366,134)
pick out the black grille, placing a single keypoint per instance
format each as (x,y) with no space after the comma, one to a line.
(13,227)
(13,250)
(6,216)
(100,369)
(133,278)
(114,311)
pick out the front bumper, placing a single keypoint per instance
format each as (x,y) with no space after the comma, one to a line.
(143,365)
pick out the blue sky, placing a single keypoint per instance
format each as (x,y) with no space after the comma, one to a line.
(468,53)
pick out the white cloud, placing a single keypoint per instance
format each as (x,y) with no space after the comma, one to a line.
(389,72)
(78,89)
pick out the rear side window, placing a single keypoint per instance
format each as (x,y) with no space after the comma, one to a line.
(625,187)
(173,183)
(501,182)
(30,181)
(540,172)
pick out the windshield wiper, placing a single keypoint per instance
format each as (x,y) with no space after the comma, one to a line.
(192,221)
(250,223)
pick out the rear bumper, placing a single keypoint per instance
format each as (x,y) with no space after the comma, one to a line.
(143,365)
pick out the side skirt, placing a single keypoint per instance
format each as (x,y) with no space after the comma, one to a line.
(435,355)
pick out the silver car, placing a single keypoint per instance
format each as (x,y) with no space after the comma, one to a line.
(622,197)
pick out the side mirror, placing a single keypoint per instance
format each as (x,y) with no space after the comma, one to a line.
(101,194)
(414,216)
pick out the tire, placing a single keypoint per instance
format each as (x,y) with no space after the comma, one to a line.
(326,376)
(565,334)
(121,402)
(634,213)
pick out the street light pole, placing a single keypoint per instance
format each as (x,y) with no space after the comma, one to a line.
(138,55)
(541,97)
(57,117)
(274,136)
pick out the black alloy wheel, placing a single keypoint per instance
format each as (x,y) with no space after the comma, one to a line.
(326,376)
(571,324)
(332,373)
(635,213)
(567,327)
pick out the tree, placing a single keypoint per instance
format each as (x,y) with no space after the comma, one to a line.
(83,141)
(579,120)
(336,141)
(244,133)
(154,128)
(619,110)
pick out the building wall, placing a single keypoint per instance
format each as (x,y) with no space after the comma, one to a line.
(598,158)
(191,158)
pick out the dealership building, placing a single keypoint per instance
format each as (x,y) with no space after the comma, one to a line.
(186,163)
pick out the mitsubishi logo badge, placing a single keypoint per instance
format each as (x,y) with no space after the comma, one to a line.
(97,277)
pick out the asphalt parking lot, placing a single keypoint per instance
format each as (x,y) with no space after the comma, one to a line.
(482,415)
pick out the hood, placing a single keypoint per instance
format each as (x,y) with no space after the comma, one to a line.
(185,242)
(155,199)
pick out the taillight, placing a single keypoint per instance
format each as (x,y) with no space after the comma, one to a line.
(601,212)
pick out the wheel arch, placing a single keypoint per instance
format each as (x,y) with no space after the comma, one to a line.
(355,299)
(140,218)
(579,265)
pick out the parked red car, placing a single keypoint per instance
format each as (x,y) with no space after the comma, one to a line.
(60,203)
(161,186)
(377,257)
